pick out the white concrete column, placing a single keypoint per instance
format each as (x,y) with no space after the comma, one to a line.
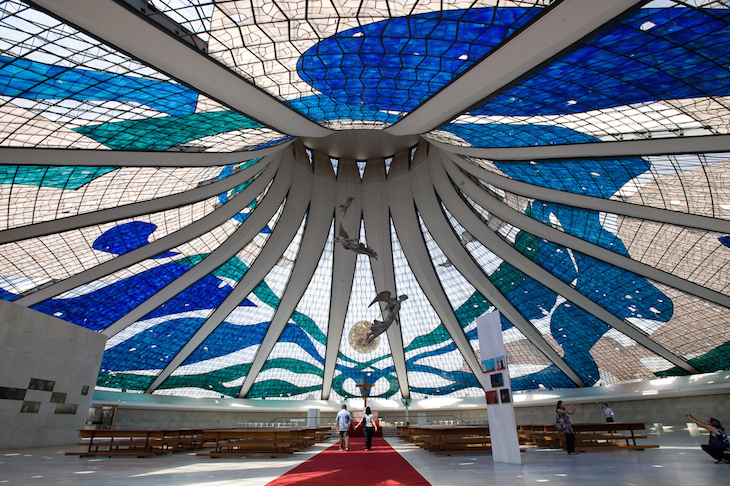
(500,410)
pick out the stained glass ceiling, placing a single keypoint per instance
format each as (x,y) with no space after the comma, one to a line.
(222,189)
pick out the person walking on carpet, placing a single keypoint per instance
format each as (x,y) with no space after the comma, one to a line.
(343,425)
(370,426)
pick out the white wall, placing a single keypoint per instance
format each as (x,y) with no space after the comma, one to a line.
(37,346)
(664,400)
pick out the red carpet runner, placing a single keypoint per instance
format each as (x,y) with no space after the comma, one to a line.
(381,466)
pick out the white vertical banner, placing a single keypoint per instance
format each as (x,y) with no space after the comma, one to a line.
(500,410)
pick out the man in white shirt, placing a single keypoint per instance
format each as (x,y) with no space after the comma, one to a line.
(343,425)
(608,413)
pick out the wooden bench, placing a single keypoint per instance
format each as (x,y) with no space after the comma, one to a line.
(459,440)
(449,439)
(260,442)
(184,439)
(545,435)
(589,436)
(470,439)
(610,435)
(322,433)
(139,443)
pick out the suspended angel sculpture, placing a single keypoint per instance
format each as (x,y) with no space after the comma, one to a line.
(390,312)
(354,245)
(346,206)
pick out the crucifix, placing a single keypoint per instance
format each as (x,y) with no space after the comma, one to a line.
(365,387)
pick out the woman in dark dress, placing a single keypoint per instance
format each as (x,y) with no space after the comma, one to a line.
(562,421)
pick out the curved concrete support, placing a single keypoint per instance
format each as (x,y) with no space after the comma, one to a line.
(377,231)
(414,247)
(232,245)
(536,228)
(319,220)
(279,239)
(504,250)
(129,158)
(640,148)
(135,209)
(566,23)
(200,227)
(589,202)
(133,34)
(441,231)
(343,263)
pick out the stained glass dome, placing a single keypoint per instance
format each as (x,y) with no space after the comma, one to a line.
(222,189)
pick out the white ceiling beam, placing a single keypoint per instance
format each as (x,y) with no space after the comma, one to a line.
(284,231)
(536,228)
(471,222)
(414,247)
(128,158)
(343,261)
(319,220)
(130,32)
(631,148)
(200,227)
(127,211)
(638,211)
(377,231)
(561,26)
(442,233)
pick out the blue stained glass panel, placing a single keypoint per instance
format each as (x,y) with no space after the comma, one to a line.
(396,64)
(514,135)
(683,55)
(100,308)
(591,177)
(34,80)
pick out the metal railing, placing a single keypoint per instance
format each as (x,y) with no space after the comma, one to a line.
(445,419)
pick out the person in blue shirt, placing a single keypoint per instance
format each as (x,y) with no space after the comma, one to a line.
(343,425)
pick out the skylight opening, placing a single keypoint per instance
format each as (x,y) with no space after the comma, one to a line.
(389,160)
(309,154)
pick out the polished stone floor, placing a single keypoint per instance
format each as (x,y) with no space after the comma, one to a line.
(678,461)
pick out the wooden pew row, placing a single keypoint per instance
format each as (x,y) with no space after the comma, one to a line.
(147,443)
(140,443)
(184,439)
(608,435)
(447,440)
(269,442)
(615,435)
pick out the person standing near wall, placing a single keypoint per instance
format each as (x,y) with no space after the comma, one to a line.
(607,412)
(343,426)
(563,424)
(370,427)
